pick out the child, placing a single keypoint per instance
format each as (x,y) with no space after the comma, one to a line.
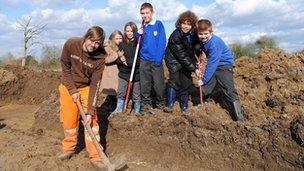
(109,82)
(219,67)
(151,55)
(128,47)
(181,61)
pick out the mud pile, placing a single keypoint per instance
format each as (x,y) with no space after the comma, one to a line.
(271,85)
(26,86)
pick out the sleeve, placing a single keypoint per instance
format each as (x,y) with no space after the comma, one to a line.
(111,55)
(179,51)
(213,59)
(94,87)
(161,44)
(136,35)
(66,69)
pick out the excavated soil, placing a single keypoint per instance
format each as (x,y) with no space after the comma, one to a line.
(26,86)
(271,90)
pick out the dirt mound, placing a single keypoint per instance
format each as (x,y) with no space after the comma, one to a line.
(47,116)
(24,85)
(271,85)
(201,140)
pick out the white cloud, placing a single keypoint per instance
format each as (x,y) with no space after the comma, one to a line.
(236,21)
(244,21)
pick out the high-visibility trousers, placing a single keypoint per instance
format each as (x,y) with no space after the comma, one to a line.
(69,120)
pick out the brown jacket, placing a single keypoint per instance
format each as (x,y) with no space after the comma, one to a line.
(81,69)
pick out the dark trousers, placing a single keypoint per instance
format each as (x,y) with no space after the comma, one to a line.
(122,90)
(151,77)
(181,81)
(222,79)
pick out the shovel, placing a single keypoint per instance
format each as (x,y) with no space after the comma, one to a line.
(119,163)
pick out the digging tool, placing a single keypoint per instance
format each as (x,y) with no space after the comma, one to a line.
(119,162)
(132,71)
(200,87)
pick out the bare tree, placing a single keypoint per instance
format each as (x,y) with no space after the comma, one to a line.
(30,34)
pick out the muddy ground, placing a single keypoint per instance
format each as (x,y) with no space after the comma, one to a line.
(271,90)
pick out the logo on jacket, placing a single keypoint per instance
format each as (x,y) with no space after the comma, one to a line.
(82,61)
(155,33)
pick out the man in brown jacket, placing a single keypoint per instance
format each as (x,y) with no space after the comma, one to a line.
(83,62)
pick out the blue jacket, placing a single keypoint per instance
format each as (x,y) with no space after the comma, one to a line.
(153,43)
(218,54)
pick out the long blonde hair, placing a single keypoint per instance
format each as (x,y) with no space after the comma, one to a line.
(112,44)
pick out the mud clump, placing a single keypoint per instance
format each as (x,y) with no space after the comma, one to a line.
(47,116)
(297,130)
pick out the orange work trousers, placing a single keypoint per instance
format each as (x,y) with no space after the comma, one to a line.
(69,120)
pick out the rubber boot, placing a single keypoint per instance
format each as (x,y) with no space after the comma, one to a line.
(66,155)
(183,102)
(99,165)
(119,106)
(237,111)
(136,107)
(171,97)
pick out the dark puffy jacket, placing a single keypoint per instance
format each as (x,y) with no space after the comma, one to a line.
(129,52)
(180,52)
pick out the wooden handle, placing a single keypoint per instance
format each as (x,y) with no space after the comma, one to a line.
(97,145)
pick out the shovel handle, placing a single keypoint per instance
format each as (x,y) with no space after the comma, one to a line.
(97,145)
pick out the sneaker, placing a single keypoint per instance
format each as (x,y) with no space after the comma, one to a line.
(168,109)
(66,155)
(99,165)
(146,109)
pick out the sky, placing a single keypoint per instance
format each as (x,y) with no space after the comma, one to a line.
(236,21)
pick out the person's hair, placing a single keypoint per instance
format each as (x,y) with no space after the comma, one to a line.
(146,5)
(133,27)
(95,33)
(204,25)
(186,16)
(112,44)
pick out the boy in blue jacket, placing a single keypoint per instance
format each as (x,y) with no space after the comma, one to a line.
(219,67)
(151,54)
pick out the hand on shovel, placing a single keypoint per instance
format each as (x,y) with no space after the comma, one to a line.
(88,120)
(75,97)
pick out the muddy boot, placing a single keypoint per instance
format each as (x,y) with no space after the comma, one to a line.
(136,107)
(66,155)
(183,102)
(171,96)
(237,113)
(99,165)
(145,109)
(119,106)
(160,105)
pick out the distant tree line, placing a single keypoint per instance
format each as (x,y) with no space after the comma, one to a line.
(50,55)
(251,49)
(49,59)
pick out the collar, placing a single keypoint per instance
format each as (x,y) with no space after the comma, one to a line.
(209,39)
(151,22)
